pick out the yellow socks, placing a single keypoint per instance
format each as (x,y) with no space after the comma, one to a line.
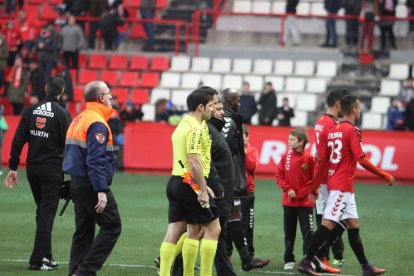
(190,251)
(180,244)
(208,250)
(167,256)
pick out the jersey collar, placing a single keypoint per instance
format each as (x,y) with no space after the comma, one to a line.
(101,109)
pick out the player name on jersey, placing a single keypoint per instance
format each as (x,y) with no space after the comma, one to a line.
(335,135)
(39,133)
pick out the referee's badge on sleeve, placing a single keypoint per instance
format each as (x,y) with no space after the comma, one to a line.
(100,137)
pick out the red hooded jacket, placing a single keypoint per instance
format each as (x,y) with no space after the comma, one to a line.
(295,172)
(252,160)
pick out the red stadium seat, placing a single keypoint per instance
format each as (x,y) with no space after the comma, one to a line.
(86,76)
(139,63)
(132,13)
(160,63)
(161,4)
(111,77)
(74,75)
(129,79)
(140,96)
(32,11)
(137,31)
(122,94)
(49,13)
(118,62)
(78,94)
(82,61)
(134,4)
(149,79)
(97,61)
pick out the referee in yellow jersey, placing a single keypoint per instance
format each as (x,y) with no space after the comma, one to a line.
(189,204)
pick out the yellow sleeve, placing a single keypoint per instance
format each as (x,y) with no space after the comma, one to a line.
(194,140)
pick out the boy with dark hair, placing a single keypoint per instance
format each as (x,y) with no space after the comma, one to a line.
(294,176)
(340,154)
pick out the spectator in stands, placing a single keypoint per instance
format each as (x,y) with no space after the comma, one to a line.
(406,92)
(96,9)
(122,29)
(290,23)
(10,6)
(131,113)
(73,41)
(147,12)
(13,41)
(268,105)
(57,40)
(370,11)
(248,105)
(161,112)
(409,115)
(37,81)
(4,53)
(395,118)
(63,71)
(285,113)
(17,82)
(109,23)
(352,8)
(28,29)
(387,8)
(410,6)
(46,50)
(332,7)
(77,8)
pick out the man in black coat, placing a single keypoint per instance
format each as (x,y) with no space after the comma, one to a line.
(247,104)
(221,171)
(268,103)
(233,132)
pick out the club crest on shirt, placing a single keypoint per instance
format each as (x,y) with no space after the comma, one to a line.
(40,122)
(100,137)
(304,166)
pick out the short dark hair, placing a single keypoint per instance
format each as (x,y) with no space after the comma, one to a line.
(347,103)
(301,134)
(246,130)
(336,95)
(55,86)
(201,95)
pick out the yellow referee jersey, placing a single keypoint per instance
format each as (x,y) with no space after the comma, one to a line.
(190,136)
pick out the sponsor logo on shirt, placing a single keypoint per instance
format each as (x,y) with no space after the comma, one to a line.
(40,122)
(44,110)
(39,133)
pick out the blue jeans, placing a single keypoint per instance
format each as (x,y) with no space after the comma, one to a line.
(330,32)
(149,27)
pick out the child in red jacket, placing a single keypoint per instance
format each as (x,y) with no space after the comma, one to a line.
(294,176)
(247,204)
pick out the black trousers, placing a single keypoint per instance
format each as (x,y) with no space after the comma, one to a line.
(247,210)
(290,219)
(222,263)
(45,181)
(387,30)
(88,253)
(71,59)
(93,29)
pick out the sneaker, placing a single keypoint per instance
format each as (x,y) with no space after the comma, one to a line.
(323,266)
(42,267)
(305,266)
(51,263)
(337,263)
(370,270)
(289,265)
(255,263)
(157,264)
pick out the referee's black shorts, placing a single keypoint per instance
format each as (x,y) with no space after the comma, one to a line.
(184,205)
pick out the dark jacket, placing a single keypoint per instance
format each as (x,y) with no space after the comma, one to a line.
(409,115)
(109,25)
(221,166)
(247,107)
(269,107)
(287,115)
(352,7)
(44,127)
(233,132)
(65,74)
(291,6)
(332,6)
(48,51)
(37,79)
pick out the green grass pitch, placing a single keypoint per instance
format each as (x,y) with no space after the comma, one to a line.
(386,215)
